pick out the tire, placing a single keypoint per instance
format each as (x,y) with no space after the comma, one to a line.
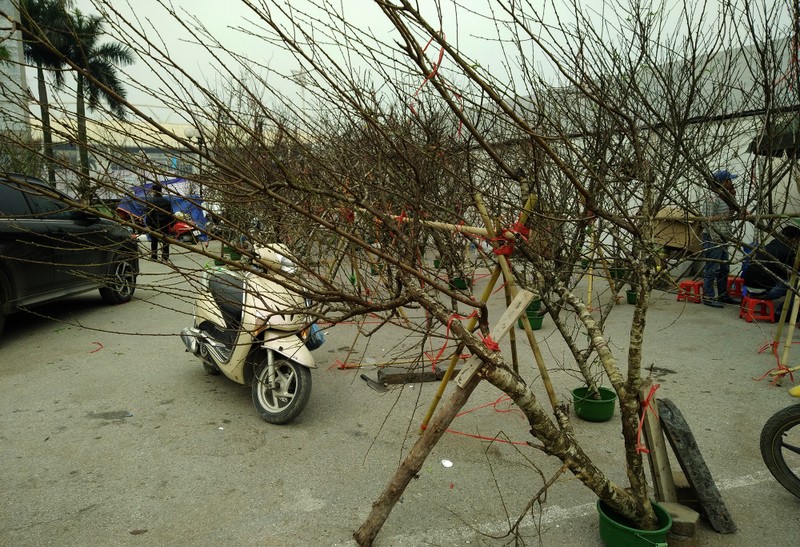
(287,401)
(780,447)
(121,282)
(2,311)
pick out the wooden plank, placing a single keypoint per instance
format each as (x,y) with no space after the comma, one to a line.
(658,458)
(506,321)
(694,467)
(405,375)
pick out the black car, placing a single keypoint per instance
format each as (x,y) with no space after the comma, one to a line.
(49,250)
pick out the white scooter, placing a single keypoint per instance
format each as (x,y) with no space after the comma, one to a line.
(256,330)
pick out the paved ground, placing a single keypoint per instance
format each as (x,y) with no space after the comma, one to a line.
(111,435)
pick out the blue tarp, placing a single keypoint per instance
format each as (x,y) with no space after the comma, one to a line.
(190,205)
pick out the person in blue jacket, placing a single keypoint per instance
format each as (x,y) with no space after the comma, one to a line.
(717,235)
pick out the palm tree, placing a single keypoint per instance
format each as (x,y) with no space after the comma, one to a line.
(44,36)
(97,79)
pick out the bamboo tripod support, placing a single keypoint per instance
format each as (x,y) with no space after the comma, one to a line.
(794,284)
(504,268)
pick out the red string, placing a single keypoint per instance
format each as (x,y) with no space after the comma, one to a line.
(778,366)
(640,447)
(99,347)
(494,405)
(433,72)
(348,215)
(487,341)
(447,336)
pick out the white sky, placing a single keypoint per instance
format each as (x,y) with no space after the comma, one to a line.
(224,19)
(471,33)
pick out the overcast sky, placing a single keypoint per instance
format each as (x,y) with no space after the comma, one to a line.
(470,32)
(224,20)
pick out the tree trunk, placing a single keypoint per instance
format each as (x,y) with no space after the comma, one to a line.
(84,185)
(47,133)
(558,442)
(382,507)
(562,444)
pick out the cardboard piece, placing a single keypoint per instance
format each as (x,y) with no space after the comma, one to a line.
(677,230)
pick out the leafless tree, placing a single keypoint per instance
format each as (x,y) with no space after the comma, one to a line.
(600,122)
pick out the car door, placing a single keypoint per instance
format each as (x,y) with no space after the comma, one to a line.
(79,244)
(26,253)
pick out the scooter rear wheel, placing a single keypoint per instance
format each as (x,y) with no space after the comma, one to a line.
(284,402)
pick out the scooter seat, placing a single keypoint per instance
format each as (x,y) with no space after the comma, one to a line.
(227,290)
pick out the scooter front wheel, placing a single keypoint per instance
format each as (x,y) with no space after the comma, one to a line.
(286,400)
(780,447)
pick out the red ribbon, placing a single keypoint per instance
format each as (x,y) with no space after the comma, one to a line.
(640,447)
(490,344)
(433,72)
(487,341)
(507,247)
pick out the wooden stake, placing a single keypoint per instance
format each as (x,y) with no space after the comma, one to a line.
(658,458)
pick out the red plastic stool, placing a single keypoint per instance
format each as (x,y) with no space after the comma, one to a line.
(690,291)
(735,286)
(755,309)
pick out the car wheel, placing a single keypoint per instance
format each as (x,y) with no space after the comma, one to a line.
(121,282)
(2,312)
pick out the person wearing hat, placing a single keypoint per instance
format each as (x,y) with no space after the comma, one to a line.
(716,235)
(768,268)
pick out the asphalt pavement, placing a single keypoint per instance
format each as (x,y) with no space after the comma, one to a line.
(110,434)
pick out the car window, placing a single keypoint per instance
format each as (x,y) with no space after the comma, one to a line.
(12,202)
(45,207)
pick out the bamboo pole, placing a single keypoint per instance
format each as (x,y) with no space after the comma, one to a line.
(505,264)
(792,283)
(487,292)
(787,345)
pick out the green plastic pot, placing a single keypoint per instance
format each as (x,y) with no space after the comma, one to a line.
(533,307)
(617,531)
(631,296)
(459,283)
(534,319)
(594,410)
